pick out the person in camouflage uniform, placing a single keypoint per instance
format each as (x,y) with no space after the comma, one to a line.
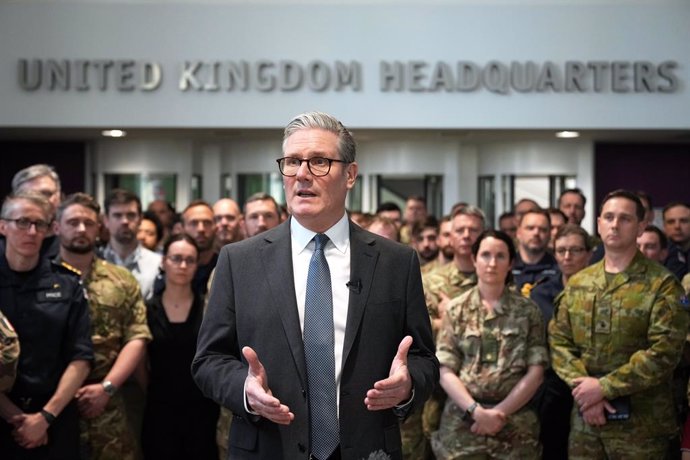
(448,282)
(119,332)
(617,335)
(9,354)
(492,353)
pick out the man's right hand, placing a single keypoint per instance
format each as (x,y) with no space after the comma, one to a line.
(487,422)
(259,396)
(596,415)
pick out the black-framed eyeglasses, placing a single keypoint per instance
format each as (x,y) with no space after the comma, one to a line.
(177,259)
(318,166)
(575,250)
(24,223)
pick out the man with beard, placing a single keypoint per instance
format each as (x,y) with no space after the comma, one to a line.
(425,240)
(118,329)
(122,217)
(533,263)
(197,221)
(228,220)
(572,203)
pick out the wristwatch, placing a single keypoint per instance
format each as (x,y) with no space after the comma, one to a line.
(109,388)
(467,416)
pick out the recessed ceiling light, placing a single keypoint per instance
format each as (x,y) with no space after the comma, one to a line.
(114,133)
(567,134)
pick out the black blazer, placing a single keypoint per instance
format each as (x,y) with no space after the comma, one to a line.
(252,302)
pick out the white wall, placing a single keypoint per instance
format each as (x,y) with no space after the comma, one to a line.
(541,158)
(123,156)
(171,33)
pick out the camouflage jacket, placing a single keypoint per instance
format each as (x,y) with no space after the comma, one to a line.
(118,313)
(9,354)
(629,333)
(491,351)
(447,279)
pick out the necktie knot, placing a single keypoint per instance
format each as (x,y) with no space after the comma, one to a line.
(320,239)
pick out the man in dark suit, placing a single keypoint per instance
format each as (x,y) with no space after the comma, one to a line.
(254,351)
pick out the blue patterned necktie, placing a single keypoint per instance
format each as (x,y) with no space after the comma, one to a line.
(319,354)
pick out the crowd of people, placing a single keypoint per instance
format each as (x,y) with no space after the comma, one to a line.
(549,341)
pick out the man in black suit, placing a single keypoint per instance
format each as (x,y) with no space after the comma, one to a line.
(253,354)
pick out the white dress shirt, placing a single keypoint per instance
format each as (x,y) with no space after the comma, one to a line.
(143,263)
(337,253)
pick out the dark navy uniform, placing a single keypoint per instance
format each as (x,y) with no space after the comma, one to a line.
(525,276)
(544,292)
(678,261)
(49,311)
(554,401)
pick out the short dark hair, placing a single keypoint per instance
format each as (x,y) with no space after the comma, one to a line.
(506,215)
(419,227)
(82,199)
(573,229)
(388,206)
(180,237)
(673,204)
(153,217)
(121,196)
(576,191)
(663,240)
(628,195)
(499,235)
(194,204)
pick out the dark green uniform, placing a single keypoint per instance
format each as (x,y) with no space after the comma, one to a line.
(628,331)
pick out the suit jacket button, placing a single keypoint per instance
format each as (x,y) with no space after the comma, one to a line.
(304,394)
(301,447)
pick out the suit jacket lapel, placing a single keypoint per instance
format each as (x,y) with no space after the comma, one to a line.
(363,258)
(276,256)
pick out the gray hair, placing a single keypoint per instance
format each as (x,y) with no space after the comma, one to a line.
(470,210)
(320,120)
(32,172)
(12,202)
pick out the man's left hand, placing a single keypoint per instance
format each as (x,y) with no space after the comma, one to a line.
(587,392)
(91,400)
(31,430)
(397,388)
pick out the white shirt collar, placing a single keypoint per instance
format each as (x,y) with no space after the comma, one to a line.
(339,234)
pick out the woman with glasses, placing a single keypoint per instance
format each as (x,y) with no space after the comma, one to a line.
(179,423)
(492,354)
